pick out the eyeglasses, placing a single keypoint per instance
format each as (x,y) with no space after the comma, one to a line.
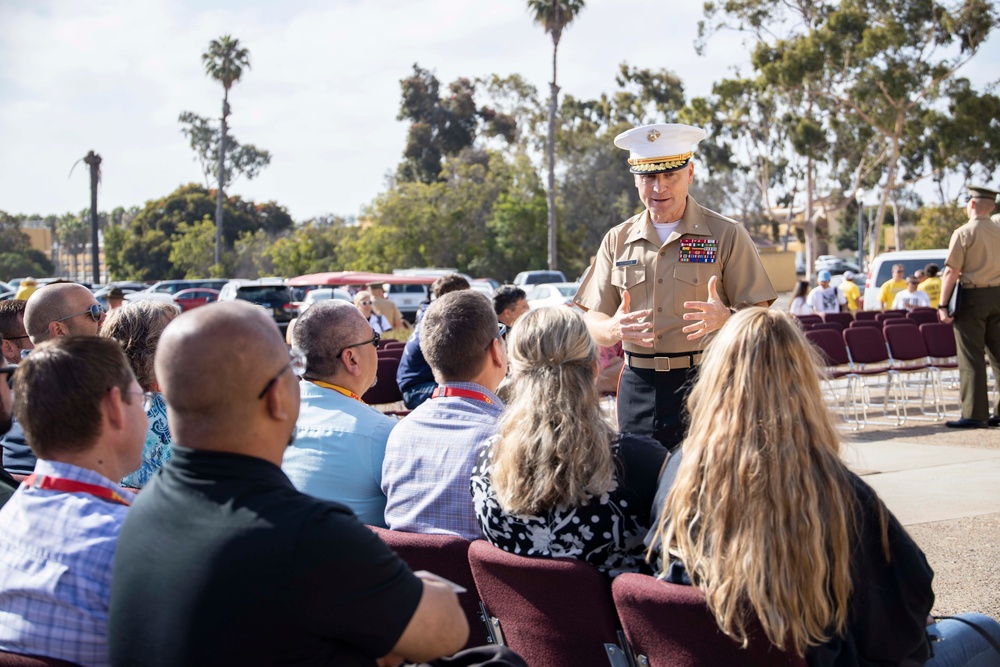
(298,365)
(95,312)
(16,337)
(500,334)
(375,340)
(147,398)
(365,303)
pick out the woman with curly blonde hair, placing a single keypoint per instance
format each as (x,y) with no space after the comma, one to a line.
(557,480)
(137,326)
(759,512)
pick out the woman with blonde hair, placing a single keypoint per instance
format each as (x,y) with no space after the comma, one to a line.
(137,326)
(366,304)
(759,512)
(557,481)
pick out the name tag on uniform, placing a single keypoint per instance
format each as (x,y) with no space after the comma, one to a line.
(700,251)
(627,262)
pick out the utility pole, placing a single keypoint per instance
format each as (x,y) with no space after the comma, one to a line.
(93,160)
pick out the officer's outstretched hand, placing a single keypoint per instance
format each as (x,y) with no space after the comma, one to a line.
(632,327)
(710,315)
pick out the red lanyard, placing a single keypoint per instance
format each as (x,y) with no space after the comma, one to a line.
(461,393)
(72,486)
(338,389)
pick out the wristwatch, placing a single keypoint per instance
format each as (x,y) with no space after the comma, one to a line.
(943,306)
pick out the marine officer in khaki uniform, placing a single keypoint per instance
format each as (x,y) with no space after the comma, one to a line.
(972,261)
(664,279)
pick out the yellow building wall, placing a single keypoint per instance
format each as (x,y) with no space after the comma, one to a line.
(780,267)
(41,239)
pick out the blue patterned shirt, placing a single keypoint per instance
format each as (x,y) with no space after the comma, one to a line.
(55,568)
(429,460)
(158,445)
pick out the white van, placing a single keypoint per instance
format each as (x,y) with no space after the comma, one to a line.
(880,270)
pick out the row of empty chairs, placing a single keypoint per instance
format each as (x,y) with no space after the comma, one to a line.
(892,353)
(558,612)
(386,392)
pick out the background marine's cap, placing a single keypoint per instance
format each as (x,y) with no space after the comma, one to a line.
(116,293)
(824,276)
(848,275)
(982,192)
(656,149)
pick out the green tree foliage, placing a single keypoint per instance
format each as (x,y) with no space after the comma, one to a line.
(442,127)
(146,252)
(314,247)
(192,248)
(240,159)
(12,239)
(935,225)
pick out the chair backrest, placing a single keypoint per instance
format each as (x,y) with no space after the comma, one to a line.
(923,315)
(18,660)
(831,344)
(844,319)
(393,344)
(553,612)
(898,322)
(446,555)
(385,390)
(939,339)
(866,345)
(865,315)
(809,319)
(884,315)
(904,343)
(829,326)
(672,626)
(858,324)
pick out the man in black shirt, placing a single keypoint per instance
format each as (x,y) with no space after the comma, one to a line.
(222,562)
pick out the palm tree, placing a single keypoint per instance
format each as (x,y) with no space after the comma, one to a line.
(224,61)
(93,160)
(553,16)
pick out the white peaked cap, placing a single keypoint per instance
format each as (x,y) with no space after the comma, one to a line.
(654,149)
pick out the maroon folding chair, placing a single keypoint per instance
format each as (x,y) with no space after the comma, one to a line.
(909,357)
(939,338)
(828,326)
(837,364)
(18,660)
(886,314)
(870,359)
(844,319)
(808,319)
(858,324)
(923,315)
(898,322)
(554,612)
(386,391)
(448,556)
(393,344)
(865,315)
(668,625)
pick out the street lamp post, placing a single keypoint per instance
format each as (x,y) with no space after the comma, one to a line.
(859,197)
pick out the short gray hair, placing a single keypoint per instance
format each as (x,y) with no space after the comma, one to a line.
(137,327)
(323,331)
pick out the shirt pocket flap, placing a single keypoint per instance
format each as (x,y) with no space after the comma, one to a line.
(625,277)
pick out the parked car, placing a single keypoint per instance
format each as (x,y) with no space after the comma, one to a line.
(538,278)
(834,264)
(483,287)
(408,298)
(324,294)
(128,288)
(175,286)
(880,269)
(189,299)
(270,293)
(552,294)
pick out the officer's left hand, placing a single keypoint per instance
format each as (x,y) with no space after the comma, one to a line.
(711,316)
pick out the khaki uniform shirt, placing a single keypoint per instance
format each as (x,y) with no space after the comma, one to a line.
(974,249)
(663,277)
(388,308)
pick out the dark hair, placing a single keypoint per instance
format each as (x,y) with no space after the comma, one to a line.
(10,327)
(455,334)
(801,288)
(931,270)
(325,329)
(449,282)
(506,297)
(59,387)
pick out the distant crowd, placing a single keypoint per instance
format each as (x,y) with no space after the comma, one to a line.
(901,292)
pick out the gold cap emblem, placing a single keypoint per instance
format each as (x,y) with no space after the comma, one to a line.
(652,136)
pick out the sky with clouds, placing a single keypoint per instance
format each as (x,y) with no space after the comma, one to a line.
(322,94)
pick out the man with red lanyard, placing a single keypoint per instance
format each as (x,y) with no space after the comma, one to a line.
(430,454)
(61,526)
(339,440)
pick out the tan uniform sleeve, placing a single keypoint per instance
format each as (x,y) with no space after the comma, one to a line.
(596,292)
(956,251)
(743,277)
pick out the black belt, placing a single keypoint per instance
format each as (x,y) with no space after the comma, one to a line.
(663,362)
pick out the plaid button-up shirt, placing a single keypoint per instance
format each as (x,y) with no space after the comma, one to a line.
(56,552)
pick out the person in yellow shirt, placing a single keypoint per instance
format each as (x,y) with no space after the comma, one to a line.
(932,284)
(892,286)
(850,292)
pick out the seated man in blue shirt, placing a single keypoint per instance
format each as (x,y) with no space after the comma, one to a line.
(430,454)
(414,376)
(339,440)
(82,410)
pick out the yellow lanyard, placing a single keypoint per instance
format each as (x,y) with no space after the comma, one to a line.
(341,390)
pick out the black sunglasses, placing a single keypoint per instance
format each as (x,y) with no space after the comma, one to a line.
(375,340)
(95,312)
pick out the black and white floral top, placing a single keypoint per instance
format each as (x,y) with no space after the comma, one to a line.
(607,532)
